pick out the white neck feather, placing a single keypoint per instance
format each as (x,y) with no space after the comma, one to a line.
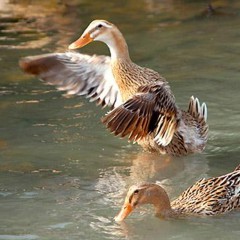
(116,44)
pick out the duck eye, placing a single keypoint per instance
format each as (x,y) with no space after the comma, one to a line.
(136,191)
(99,25)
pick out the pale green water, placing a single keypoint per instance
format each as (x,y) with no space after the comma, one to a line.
(62,175)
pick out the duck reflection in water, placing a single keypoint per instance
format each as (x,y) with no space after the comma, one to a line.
(144,167)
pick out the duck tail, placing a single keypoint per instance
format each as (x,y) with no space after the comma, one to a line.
(197,110)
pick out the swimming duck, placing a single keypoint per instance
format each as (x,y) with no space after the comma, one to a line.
(143,106)
(207,197)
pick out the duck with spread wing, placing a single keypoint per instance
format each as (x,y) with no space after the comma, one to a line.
(143,106)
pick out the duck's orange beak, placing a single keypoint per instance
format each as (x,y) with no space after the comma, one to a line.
(125,211)
(82,41)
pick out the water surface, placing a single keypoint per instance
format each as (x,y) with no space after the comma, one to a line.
(62,175)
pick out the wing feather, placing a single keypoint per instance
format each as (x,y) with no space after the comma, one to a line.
(151,110)
(76,73)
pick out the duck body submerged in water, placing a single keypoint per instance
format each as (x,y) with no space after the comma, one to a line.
(207,197)
(143,106)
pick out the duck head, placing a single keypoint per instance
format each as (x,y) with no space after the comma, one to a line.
(148,193)
(98,30)
(106,32)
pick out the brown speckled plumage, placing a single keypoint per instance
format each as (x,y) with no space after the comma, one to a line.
(129,77)
(211,196)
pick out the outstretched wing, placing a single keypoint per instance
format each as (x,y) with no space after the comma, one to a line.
(76,73)
(151,110)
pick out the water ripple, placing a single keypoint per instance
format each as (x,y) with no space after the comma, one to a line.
(19,237)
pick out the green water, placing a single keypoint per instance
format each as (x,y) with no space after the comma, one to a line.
(62,174)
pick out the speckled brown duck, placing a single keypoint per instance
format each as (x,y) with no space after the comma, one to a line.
(207,197)
(143,106)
